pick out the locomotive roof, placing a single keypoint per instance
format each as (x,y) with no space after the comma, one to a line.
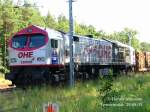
(118,43)
(48,30)
(38,29)
(89,38)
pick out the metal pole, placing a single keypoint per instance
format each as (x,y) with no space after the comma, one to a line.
(71,72)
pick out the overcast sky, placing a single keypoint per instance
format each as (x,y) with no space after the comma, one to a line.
(108,15)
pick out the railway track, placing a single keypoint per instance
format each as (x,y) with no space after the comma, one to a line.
(7,99)
(7,88)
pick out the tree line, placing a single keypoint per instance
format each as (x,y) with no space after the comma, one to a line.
(13,18)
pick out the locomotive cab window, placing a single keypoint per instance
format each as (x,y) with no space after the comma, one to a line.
(19,41)
(37,40)
(54,43)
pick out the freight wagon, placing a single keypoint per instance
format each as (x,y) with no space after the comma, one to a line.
(142,61)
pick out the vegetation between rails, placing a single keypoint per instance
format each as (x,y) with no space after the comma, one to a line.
(127,93)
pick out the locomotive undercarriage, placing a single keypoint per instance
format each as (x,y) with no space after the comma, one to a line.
(35,75)
(94,71)
(55,75)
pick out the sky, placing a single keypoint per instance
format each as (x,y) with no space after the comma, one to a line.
(107,15)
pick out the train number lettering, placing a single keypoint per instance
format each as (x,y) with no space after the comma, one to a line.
(25,54)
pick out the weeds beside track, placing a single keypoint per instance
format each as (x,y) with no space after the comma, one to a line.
(82,98)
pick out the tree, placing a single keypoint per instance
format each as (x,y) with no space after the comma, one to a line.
(63,23)
(12,19)
(50,21)
(123,37)
(101,34)
(30,16)
(145,46)
(81,29)
(91,30)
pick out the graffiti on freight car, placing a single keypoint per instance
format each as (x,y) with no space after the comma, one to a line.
(105,51)
(102,51)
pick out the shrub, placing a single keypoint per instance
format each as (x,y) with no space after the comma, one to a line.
(105,90)
(3,70)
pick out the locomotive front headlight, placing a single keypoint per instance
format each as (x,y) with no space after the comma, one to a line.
(13,60)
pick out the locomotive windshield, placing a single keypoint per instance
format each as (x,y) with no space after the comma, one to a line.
(19,41)
(37,40)
(30,41)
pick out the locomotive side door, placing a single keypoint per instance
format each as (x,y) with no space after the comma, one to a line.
(56,51)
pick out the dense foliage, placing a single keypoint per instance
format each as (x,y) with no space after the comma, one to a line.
(145,46)
(13,18)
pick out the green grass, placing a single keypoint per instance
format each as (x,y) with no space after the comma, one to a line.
(135,94)
(83,97)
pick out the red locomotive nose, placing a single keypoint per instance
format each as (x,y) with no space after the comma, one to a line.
(29,39)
